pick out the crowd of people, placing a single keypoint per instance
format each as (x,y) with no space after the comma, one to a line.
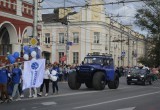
(11,80)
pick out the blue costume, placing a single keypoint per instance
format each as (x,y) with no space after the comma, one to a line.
(16,75)
(3,76)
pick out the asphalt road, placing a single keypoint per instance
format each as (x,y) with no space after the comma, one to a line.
(132,97)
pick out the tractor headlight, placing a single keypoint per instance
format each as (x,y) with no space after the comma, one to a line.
(128,75)
(142,76)
(92,69)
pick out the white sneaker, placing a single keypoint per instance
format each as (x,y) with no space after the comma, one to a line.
(30,96)
(40,94)
(18,99)
(11,98)
(46,94)
(22,96)
(34,96)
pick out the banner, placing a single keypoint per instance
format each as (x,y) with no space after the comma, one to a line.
(33,73)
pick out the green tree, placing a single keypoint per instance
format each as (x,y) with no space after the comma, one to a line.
(148,18)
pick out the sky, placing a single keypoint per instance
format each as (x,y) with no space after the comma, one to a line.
(127,10)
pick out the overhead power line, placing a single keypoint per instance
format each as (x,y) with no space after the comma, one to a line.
(88,5)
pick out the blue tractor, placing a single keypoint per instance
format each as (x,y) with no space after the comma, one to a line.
(95,72)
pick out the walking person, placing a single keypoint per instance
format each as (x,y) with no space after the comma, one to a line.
(54,79)
(16,76)
(9,84)
(21,83)
(45,81)
(3,84)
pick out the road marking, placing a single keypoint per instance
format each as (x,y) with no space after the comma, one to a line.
(130,108)
(116,100)
(48,103)
(34,107)
(71,94)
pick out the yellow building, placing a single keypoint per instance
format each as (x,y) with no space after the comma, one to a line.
(90,31)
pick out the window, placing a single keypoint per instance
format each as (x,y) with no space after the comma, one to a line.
(4,3)
(96,37)
(31,11)
(61,54)
(23,8)
(75,57)
(61,38)
(47,38)
(14,5)
(75,37)
(9,4)
(27,9)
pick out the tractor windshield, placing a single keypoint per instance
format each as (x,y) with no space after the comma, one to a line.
(93,60)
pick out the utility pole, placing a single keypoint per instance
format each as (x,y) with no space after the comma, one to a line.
(136,50)
(109,37)
(132,53)
(35,18)
(128,52)
(121,51)
(67,46)
(67,35)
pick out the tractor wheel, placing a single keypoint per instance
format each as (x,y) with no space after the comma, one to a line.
(99,81)
(73,82)
(114,84)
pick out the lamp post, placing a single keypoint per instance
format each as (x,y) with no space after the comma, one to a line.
(111,23)
(129,48)
(122,57)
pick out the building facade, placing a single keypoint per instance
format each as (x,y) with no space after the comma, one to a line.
(16,24)
(89,31)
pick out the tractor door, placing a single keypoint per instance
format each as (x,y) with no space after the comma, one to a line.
(109,68)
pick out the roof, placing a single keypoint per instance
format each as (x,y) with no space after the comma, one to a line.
(100,55)
(96,56)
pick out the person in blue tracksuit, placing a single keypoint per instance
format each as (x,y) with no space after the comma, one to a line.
(3,83)
(16,76)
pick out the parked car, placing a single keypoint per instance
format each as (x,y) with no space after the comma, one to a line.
(139,76)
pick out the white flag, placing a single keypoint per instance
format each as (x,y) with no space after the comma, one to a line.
(33,73)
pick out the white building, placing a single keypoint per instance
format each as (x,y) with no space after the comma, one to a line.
(90,31)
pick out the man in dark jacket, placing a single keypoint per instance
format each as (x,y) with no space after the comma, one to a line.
(3,83)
